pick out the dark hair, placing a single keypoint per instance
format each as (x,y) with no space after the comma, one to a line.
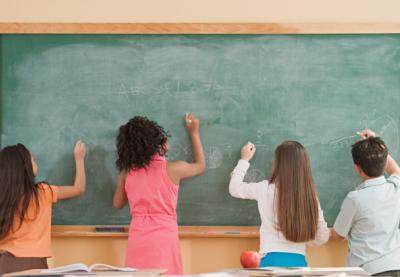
(17,186)
(371,155)
(297,201)
(138,141)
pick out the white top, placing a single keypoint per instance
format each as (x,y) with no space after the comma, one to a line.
(271,240)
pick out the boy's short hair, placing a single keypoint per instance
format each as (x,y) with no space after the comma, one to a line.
(370,155)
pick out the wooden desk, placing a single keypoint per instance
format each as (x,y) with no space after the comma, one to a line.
(143,272)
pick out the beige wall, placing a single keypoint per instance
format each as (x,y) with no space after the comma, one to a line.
(199,254)
(199,11)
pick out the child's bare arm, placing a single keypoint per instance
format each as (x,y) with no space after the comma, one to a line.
(120,198)
(79,185)
(392,168)
(180,169)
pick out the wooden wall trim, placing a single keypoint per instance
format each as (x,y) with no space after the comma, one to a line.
(200,28)
(184,231)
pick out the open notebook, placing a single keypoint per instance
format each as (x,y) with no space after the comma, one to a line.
(83,267)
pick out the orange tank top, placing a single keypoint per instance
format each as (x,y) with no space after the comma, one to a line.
(33,237)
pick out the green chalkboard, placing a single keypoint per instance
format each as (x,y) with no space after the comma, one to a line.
(318,89)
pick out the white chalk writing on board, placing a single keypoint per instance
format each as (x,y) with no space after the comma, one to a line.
(214,157)
(254,175)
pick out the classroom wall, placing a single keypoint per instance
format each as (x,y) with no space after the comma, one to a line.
(199,11)
(199,254)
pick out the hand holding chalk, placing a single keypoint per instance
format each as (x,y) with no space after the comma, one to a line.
(79,150)
(187,118)
(367,133)
(248,151)
(192,123)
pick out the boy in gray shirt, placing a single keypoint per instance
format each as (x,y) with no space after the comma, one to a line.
(369,217)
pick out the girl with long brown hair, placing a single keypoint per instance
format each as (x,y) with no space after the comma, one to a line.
(25,208)
(291,216)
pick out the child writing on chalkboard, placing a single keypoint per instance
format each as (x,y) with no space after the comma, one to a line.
(25,208)
(150,184)
(291,217)
(370,215)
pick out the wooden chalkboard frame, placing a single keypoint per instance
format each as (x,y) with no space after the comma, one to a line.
(202,28)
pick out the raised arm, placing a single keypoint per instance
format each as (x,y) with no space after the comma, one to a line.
(120,198)
(238,188)
(179,170)
(79,185)
(392,168)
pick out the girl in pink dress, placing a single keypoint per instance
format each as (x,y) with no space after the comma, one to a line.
(150,184)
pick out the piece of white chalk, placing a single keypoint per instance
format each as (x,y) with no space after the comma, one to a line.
(188,120)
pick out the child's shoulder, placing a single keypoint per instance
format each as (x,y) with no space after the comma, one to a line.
(394,179)
(176,164)
(44,186)
(353,194)
(353,197)
(48,191)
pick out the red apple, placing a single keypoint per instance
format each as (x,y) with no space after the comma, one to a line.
(250,259)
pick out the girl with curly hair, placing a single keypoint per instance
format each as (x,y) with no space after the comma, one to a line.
(150,184)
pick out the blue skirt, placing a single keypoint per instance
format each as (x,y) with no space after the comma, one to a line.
(283,259)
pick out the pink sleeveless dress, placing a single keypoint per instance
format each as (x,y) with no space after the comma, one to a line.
(153,240)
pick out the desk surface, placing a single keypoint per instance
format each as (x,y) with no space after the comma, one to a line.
(305,271)
(142,272)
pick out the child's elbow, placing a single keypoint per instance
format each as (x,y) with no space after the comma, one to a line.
(118,204)
(202,167)
(232,191)
(324,239)
(80,191)
(333,235)
(321,238)
(198,168)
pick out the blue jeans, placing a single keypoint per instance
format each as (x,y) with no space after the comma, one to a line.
(283,259)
